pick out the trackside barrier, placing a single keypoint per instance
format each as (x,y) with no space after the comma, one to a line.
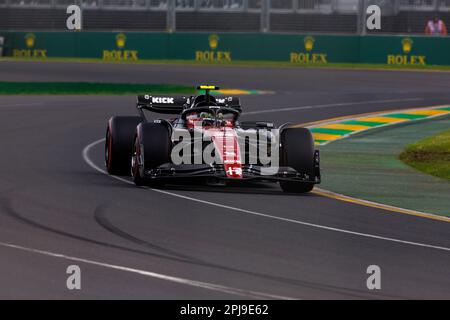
(227,47)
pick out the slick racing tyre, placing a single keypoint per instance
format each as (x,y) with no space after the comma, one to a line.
(151,148)
(119,144)
(297,151)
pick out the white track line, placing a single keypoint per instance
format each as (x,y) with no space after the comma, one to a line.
(192,283)
(86,158)
(330,105)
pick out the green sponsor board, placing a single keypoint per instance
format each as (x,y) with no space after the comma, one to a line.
(201,47)
(228,47)
(405,51)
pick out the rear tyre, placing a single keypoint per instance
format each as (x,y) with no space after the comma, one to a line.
(152,147)
(297,151)
(119,143)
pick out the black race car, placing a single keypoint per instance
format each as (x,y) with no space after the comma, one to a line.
(206,140)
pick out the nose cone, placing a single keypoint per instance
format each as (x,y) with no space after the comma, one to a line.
(227,145)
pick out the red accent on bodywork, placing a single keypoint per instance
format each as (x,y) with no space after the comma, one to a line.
(227,145)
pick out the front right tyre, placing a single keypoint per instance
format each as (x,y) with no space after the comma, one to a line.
(118,144)
(152,147)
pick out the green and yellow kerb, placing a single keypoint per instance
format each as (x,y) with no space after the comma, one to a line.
(328,132)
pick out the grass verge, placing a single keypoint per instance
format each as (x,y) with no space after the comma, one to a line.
(430,155)
(35,88)
(273,64)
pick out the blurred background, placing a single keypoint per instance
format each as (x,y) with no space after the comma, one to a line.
(318,16)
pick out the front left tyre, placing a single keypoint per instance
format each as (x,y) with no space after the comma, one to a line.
(297,151)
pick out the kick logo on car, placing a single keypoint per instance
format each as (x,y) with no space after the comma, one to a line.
(166,100)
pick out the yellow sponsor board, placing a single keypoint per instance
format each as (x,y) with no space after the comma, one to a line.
(213,55)
(407,59)
(31,52)
(120,54)
(307,56)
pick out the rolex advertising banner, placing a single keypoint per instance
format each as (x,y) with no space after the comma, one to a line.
(405,51)
(229,47)
(201,47)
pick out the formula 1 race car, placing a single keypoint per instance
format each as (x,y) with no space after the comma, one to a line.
(207,141)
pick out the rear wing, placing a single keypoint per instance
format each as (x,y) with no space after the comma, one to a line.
(162,104)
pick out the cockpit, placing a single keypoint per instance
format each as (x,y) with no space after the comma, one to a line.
(204,117)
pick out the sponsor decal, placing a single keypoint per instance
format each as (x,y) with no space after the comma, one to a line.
(213,55)
(121,40)
(213,41)
(31,51)
(166,100)
(30,39)
(309,43)
(406,59)
(120,54)
(308,56)
(407,45)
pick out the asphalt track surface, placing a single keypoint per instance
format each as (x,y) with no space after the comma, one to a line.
(188,242)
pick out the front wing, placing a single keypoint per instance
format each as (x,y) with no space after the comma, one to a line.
(249,172)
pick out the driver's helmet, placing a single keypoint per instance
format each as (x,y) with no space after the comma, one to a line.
(202,118)
(206,115)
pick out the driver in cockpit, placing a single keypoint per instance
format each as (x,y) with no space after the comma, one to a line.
(199,119)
